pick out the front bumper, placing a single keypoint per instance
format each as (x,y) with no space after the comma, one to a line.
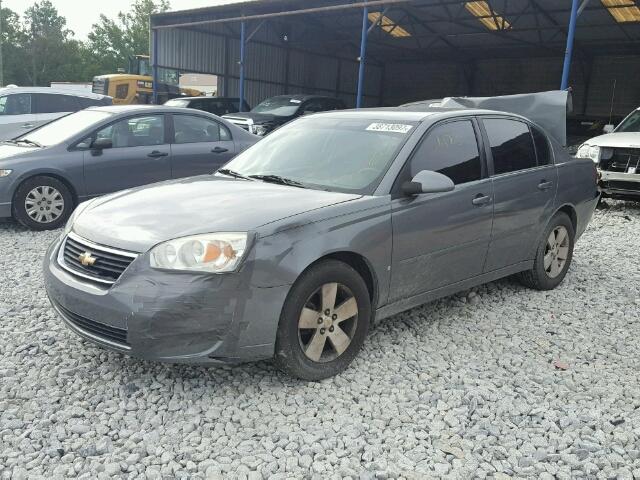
(620,185)
(169,316)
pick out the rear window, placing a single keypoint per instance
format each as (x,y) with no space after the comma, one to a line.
(53,103)
(511,145)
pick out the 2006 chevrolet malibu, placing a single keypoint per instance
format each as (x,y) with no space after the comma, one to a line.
(294,247)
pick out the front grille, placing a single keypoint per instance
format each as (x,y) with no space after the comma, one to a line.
(621,185)
(101,86)
(106,266)
(622,160)
(103,332)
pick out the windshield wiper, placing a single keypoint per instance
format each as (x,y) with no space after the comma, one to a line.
(231,173)
(27,141)
(278,179)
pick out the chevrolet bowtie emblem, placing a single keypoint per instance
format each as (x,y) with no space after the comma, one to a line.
(86,259)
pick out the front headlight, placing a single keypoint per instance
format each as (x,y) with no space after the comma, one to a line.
(210,252)
(5,173)
(260,130)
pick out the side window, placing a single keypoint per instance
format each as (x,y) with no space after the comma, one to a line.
(122,90)
(542,147)
(192,129)
(16,104)
(135,132)
(86,102)
(450,149)
(52,103)
(511,145)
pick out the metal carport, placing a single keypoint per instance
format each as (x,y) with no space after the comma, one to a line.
(411,49)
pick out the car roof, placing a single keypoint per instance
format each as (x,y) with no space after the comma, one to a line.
(202,97)
(410,115)
(51,90)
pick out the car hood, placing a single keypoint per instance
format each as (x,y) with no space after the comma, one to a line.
(616,140)
(9,152)
(256,117)
(140,218)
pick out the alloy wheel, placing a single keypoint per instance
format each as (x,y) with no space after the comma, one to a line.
(44,204)
(556,251)
(328,322)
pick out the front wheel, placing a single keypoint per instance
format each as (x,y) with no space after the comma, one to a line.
(324,322)
(42,203)
(553,256)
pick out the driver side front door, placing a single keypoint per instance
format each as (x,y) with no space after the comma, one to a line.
(441,239)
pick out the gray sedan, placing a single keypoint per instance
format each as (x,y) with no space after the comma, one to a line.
(296,246)
(48,171)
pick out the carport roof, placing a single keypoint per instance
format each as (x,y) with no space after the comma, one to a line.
(438,29)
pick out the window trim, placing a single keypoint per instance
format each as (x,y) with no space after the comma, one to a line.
(93,133)
(489,153)
(172,131)
(396,189)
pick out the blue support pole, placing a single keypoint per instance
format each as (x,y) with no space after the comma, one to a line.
(363,55)
(154,66)
(566,70)
(242,46)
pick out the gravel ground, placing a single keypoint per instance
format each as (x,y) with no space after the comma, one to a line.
(497,382)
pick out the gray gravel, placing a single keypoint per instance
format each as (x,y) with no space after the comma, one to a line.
(464,387)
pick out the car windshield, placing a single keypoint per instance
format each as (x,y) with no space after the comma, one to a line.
(631,123)
(64,128)
(177,103)
(279,106)
(344,155)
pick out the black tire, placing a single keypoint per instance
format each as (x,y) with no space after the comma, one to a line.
(57,218)
(290,356)
(538,277)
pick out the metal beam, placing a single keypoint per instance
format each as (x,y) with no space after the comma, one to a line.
(363,55)
(243,43)
(566,69)
(154,67)
(288,13)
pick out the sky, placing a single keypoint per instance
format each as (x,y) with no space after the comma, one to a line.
(82,14)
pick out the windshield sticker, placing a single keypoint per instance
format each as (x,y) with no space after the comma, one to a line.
(293,100)
(389,127)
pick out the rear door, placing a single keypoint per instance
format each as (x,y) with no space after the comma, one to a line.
(16,115)
(441,239)
(140,154)
(199,145)
(524,184)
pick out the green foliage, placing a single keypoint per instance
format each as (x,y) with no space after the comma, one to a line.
(39,48)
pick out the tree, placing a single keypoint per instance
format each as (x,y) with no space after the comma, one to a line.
(112,42)
(13,41)
(52,52)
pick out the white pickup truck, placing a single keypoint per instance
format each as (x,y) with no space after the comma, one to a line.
(617,154)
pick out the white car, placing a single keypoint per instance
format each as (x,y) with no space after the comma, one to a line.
(617,155)
(24,108)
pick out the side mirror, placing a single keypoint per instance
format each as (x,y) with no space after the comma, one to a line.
(427,181)
(608,128)
(101,144)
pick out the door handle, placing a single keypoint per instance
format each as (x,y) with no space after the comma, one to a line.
(544,185)
(481,199)
(219,150)
(157,154)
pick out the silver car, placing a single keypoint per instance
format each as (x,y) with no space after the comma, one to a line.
(24,108)
(296,246)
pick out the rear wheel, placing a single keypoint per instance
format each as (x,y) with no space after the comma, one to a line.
(553,256)
(324,322)
(42,203)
